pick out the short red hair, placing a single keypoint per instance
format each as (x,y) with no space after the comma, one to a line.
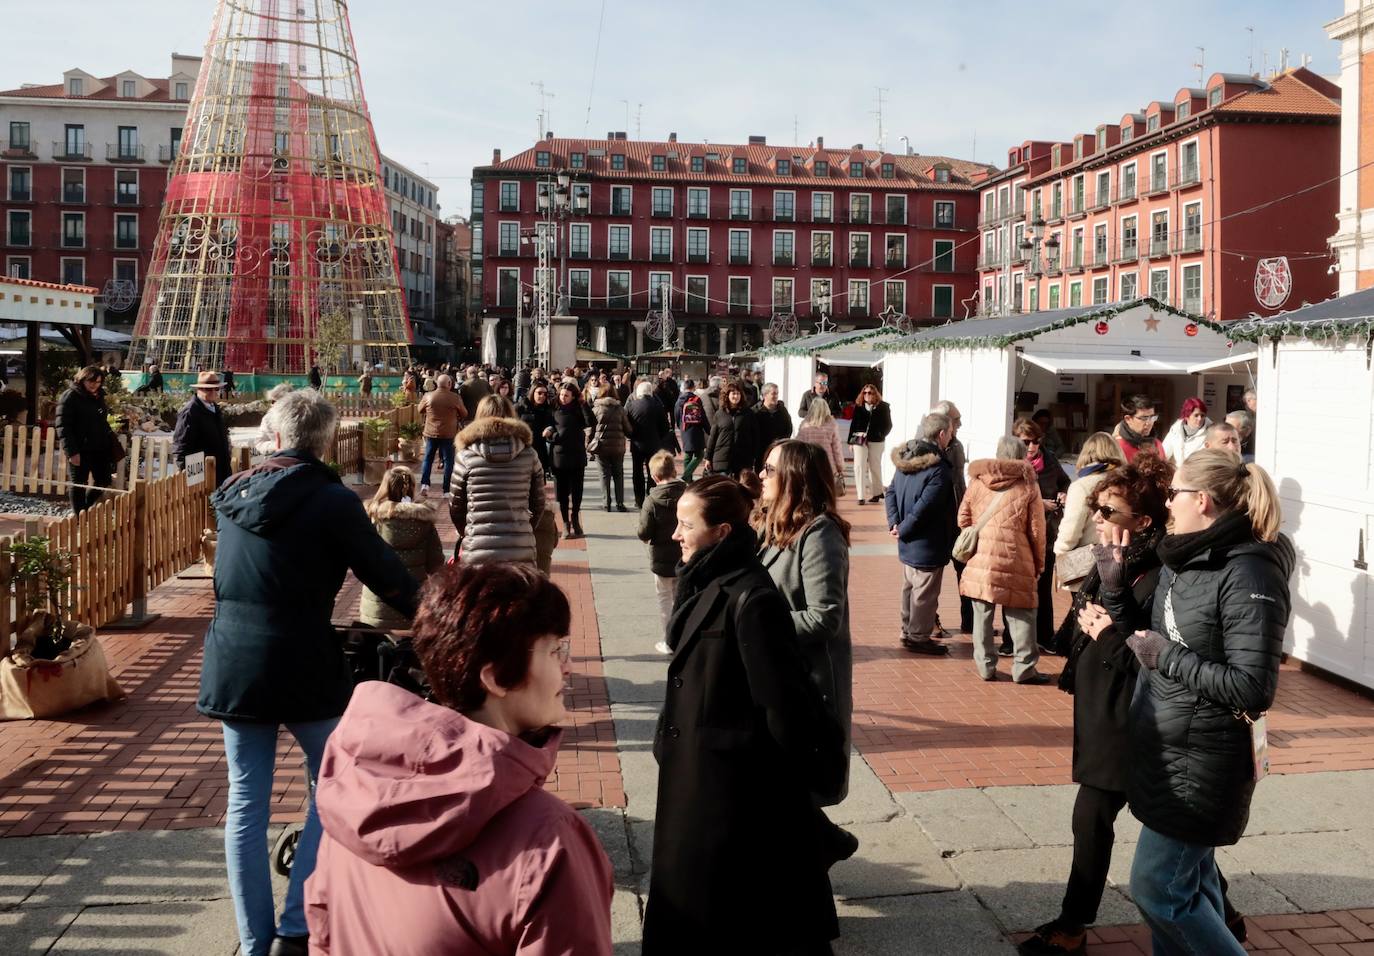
(1191,405)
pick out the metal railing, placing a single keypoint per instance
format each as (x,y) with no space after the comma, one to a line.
(124,152)
(72,152)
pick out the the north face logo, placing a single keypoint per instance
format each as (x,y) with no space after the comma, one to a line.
(457,871)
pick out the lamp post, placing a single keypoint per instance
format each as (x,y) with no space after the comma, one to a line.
(555,202)
(822,305)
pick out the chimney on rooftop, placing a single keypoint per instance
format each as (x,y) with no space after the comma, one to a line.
(549,135)
(758,140)
(495,156)
(672,137)
(820,142)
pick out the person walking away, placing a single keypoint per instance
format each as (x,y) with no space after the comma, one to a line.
(536,411)
(228,382)
(657,522)
(1054,486)
(692,420)
(868,431)
(568,452)
(88,441)
(958,464)
(732,444)
(1211,662)
(1189,433)
(1004,498)
(1077,529)
(201,427)
(819,428)
(773,418)
(1135,430)
(742,744)
(820,388)
(289,532)
(524,378)
(442,410)
(472,390)
(711,397)
(608,443)
(266,441)
(439,836)
(498,487)
(315,378)
(804,546)
(365,383)
(921,515)
(649,430)
(408,527)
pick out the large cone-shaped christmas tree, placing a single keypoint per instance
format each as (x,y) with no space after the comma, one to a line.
(274,248)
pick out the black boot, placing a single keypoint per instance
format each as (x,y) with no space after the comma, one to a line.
(577,526)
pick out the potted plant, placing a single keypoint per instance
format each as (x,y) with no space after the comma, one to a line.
(57,665)
(375,451)
(408,445)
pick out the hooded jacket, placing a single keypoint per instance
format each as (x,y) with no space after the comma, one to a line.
(612,427)
(288,533)
(408,526)
(439,838)
(920,505)
(1011,546)
(733,443)
(1191,774)
(657,521)
(498,491)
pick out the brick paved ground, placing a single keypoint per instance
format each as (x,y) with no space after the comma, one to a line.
(1336,933)
(931,724)
(152,762)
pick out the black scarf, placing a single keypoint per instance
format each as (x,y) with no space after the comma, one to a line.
(1133,438)
(734,552)
(1141,557)
(1232,528)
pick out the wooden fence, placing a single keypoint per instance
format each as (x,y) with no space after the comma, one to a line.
(32,462)
(172,517)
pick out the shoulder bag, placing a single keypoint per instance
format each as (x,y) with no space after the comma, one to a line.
(1074,566)
(966,545)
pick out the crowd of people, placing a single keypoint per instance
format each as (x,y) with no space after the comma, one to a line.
(436,833)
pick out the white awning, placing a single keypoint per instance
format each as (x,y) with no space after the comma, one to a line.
(1067,363)
(1237,357)
(851,358)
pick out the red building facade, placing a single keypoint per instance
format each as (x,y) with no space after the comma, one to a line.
(737,234)
(1218,201)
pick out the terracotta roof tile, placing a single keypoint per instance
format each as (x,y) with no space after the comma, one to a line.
(910,171)
(1285,94)
(35,284)
(110,92)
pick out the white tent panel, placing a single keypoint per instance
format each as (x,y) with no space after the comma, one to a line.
(1068,363)
(850,358)
(1239,357)
(909,388)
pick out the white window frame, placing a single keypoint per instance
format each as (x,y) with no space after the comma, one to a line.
(1134,167)
(181,90)
(906,208)
(501,272)
(897,284)
(831,197)
(1167,224)
(655,280)
(705,229)
(62,230)
(748,293)
(1054,296)
(114,225)
(935,214)
(654,231)
(1079,238)
(1106,227)
(1106,289)
(785,192)
(653,195)
(1154,156)
(850,297)
(62,184)
(586,229)
(748,246)
(1183,283)
(849,257)
(705,295)
(826,287)
(630,251)
(1121,278)
(1121,230)
(748,203)
(588,273)
(1196,143)
(822,232)
(500,207)
(791,295)
(953,302)
(1097,180)
(869,197)
(784,232)
(894,235)
(1077,184)
(62,269)
(698,189)
(1201,221)
(131,86)
(1075,290)
(953,254)
(9,170)
(138,184)
(630,209)
(11,261)
(1168,281)
(629,286)
(23,212)
(500,250)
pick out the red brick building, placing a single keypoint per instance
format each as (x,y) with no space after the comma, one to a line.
(736,233)
(1218,201)
(83,171)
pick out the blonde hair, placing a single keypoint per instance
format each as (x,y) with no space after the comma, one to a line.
(663,465)
(494,406)
(1235,486)
(397,483)
(1100,448)
(818,413)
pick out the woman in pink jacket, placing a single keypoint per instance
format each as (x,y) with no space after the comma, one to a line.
(438,834)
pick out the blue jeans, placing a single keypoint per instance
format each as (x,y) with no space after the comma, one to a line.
(444,446)
(251,749)
(1175,886)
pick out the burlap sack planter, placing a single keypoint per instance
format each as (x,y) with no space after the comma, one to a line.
(34,688)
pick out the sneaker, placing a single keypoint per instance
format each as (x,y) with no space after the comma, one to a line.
(424,491)
(663,648)
(1055,938)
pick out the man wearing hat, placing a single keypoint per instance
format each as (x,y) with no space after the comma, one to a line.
(201,427)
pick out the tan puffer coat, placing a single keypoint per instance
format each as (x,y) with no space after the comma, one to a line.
(1011,546)
(498,491)
(409,528)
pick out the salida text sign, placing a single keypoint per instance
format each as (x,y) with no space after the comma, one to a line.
(195,469)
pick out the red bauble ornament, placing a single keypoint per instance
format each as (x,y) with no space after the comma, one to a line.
(1102,328)
(1190,329)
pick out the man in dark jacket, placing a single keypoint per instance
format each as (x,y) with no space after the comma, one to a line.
(773,419)
(83,429)
(820,388)
(288,534)
(649,431)
(920,515)
(200,427)
(152,382)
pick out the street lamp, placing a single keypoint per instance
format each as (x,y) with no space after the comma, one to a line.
(554,201)
(822,304)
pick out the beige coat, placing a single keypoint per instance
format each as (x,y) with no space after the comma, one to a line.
(1011,546)
(827,437)
(409,528)
(443,410)
(1077,528)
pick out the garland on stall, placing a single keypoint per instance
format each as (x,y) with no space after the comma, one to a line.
(932,339)
(801,347)
(1323,330)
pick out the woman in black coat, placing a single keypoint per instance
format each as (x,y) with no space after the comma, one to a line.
(873,420)
(536,411)
(568,454)
(1210,663)
(83,431)
(733,443)
(742,742)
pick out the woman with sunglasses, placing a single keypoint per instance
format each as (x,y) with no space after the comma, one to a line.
(439,836)
(536,411)
(1054,483)
(1211,666)
(1077,528)
(868,431)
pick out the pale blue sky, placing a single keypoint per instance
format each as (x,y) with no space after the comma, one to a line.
(449,81)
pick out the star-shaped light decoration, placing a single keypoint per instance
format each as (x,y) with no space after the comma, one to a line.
(825,325)
(1152,324)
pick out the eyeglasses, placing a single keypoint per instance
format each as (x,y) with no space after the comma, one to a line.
(1107,512)
(564,651)
(1031,441)
(1148,419)
(769,469)
(1173,493)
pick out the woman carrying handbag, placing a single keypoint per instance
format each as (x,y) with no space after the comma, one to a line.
(868,431)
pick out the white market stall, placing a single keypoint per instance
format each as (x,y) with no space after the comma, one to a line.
(1079,363)
(792,366)
(1315,436)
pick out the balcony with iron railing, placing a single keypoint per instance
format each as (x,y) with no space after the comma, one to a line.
(1159,246)
(125,198)
(126,241)
(858,310)
(1159,184)
(21,149)
(658,212)
(124,152)
(1077,208)
(698,257)
(1128,251)
(71,152)
(895,260)
(1191,304)
(1188,175)
(998,213)
(70,194)
(739,212)
(166,153)
(782,258)
(1052,266)
(1124,194)
(784,215)
(65,240)
(738,308)
(21,238)
(698,212)
(14,194)
(859,216)
(857,261)
(1188,241)
(1101,200)
(818,261)
(1056,213)
(1076,263)
(660,256)
(739,258)
(1100,258)
(620,255)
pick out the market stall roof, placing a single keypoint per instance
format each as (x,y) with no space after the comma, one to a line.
(1002,331)
(1346,316)
(1239,356)
(585,354)
(676,354)
(100,338)
(816,342)
(1077,363)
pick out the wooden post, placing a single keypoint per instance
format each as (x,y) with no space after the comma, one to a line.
(32,371)
(139,616)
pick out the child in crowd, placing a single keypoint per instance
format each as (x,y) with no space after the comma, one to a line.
(657,521)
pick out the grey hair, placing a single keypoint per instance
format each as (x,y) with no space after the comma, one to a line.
(1250,393)
(444,381)
(715,381)
(644,389)
(1011,448)
(933,424)
(305,420)
(770,387)
(1244,422)
(945,407)
(279,391)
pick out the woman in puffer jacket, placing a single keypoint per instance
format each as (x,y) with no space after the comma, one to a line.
(1210,666)
(608,444)
(408,526)
(498,486)
(1009,559)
